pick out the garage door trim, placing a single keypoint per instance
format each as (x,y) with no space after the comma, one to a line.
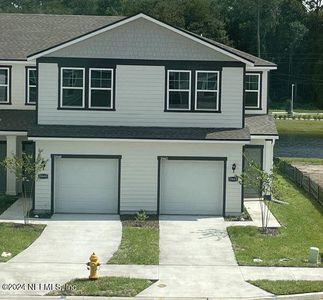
(85,156)
(203,158)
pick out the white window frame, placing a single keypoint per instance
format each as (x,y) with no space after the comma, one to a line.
(105,89)
(72,88)
(30,85)
(7,85)
(254,91)
(179,90)
(212,91)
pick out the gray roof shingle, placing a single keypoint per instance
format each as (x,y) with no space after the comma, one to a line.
(261,124)
(22,35)
(25,120)
(17,120)
(127,132)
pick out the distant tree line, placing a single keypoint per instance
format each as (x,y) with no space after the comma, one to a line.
(287,32)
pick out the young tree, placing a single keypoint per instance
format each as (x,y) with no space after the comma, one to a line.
(26,169)
(263,183)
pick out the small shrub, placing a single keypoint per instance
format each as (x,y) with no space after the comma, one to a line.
(275,116)
(280,117)
(141,216)
(293,117)
(284,117)
(299,117)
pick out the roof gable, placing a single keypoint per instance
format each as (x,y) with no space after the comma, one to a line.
(116,24)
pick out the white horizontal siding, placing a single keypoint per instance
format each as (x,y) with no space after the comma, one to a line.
(140,98)
(141,39)
(139,168)
(18,88)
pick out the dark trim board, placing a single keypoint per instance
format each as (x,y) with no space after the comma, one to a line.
(27,85)
(85,156)
(196,158)
(260,91)
(112,62)
(86,89)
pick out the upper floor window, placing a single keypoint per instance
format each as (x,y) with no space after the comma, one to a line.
(72,87)
(252,90)
(178,90)
(100,89)
(4,85)
(31,97)
(207,90)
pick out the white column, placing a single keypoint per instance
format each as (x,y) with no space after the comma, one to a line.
(269,155)
(11,178)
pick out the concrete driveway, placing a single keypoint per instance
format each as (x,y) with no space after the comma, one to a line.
(61,251)
(197,260)
(195,241)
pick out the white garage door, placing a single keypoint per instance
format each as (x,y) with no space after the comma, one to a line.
(86,185)
(191,187)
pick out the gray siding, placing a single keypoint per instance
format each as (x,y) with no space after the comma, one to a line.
(140,39)
(140,97)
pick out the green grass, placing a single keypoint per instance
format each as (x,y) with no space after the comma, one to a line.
(6,201)
(289,287)
(14,238)
(139,245)
(300,127)
(315,161)
(299,110)
(105,286)
(302,223)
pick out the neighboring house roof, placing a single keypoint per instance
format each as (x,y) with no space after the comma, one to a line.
(24,35)
(261,125)
(17,120)
(132,132)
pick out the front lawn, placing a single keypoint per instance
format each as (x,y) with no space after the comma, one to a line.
(6,201)
(15,238)
(139,244)
(104,286)
(302,224)
(300,127)
(289,287)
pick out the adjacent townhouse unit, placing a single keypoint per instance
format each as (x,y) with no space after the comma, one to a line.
(132,113)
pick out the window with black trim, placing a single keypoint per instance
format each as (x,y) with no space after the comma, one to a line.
(207,90)
(72,87)
(4,85)
(252,90)
(178,90)
(101,88)
(31,97)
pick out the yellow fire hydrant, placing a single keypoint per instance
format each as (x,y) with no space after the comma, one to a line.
(93,265)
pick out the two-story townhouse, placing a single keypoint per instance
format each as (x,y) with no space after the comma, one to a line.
(132,113)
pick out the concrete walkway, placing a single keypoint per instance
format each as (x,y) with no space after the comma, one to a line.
(15,213)
(254,210)
(61,251)
(197,260)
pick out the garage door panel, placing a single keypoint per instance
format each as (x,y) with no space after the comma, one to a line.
(191,187)
(86,185)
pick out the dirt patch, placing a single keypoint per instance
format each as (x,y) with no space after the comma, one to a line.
(130,220)
(314,171)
